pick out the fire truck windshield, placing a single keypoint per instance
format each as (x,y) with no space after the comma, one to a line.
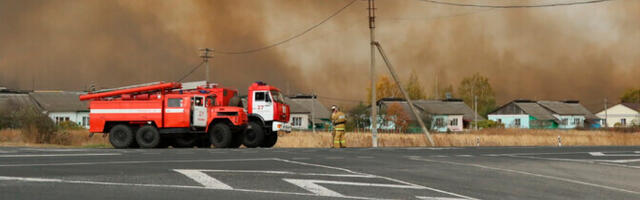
(277,96)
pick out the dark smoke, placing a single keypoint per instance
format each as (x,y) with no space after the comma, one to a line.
(585,52)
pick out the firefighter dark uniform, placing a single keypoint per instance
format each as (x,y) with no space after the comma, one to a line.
(338,119)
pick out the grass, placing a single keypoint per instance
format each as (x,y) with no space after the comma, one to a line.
(488,137)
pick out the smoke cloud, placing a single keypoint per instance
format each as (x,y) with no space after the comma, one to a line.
(585,52)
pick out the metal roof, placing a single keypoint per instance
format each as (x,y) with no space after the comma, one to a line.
(634,106)
(563,108)
(437,107)
(536,111)
(304,105)
(16,101)
(58,101)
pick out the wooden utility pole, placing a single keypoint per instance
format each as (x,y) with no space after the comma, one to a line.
(205,57)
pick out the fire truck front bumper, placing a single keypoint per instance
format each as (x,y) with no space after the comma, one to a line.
(281,126)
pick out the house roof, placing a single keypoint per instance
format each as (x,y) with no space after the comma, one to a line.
(303,105)
(58,101)
(567,108)
(536,110)
(14,100)
(437,107)
(634,106)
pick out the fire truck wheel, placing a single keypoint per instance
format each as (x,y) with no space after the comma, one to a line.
(221,136)
(270,140)
(253,137)
(186,140)
(148,137)
(121,136)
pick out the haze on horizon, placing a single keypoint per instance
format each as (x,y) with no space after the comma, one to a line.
(584,52)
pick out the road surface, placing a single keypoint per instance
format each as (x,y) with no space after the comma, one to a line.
(354,173)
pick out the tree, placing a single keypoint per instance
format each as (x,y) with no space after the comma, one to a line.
(398,116)
(385,88)
(631,96)
(477,85)
(358,117)
(414,88)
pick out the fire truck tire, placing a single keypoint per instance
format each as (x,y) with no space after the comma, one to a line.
(253,137)
(221,136)
(121,136)
(186,141)
(148,137)
(270,140)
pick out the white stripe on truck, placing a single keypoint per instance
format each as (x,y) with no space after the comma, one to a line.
(174,110)
(124,111)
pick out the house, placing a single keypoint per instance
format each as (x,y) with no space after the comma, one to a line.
(62,106)
(303,108)
(543,115)
(620,115)
(524,114)
(440,115)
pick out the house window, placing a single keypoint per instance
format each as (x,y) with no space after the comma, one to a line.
(296,121)
(576,121)
(517,122)
(565,121)
(500,121)
(623,122)
(85,121)
(454,122)
(439,122)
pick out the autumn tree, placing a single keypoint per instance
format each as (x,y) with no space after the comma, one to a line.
(396,113)
(630,96)
(387,88)
(477,85)
(413,87)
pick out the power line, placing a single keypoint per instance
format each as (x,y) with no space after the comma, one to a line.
(190,72)
(513,6)
(290,38)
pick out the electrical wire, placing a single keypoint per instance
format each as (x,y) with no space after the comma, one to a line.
(190,72)
(513,6)
(288,39)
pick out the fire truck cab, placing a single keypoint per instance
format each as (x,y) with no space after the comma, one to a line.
(162,114)
(267,113)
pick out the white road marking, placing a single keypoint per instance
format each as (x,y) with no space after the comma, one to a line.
(311,186)
(438,198)
(58,155)
(47,180)
(621,161)
(527,173)
(284,172)
(387,178)
(204,179)
(611,154)
(53,150)
(464,155)
(300,158)
(439,156)
(134,162)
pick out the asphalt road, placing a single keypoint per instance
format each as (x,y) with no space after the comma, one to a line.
(357,173)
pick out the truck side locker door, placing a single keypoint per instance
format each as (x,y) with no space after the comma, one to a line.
(198,112)
(263,105)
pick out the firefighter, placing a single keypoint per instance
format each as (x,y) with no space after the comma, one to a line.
(338,120)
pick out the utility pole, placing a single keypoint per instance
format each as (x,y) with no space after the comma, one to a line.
(205,58)
(313,114)
(606,115)
(374,114)
(475,114)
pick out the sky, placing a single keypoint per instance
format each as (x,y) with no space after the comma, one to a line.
(582,52)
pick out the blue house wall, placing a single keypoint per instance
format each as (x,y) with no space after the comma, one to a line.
(509,121)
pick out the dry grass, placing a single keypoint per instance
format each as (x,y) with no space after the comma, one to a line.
(492,137)
(67,138)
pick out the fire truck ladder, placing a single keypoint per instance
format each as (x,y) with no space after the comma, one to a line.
(134,89)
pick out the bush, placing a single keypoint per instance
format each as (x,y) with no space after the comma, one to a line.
(488,124)
(68,125)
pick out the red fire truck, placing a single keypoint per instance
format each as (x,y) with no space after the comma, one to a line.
(162,114)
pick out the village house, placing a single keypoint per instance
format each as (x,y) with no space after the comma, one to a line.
(620,115)
(62,106)
(450,115)
(303,108)
(543,115)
